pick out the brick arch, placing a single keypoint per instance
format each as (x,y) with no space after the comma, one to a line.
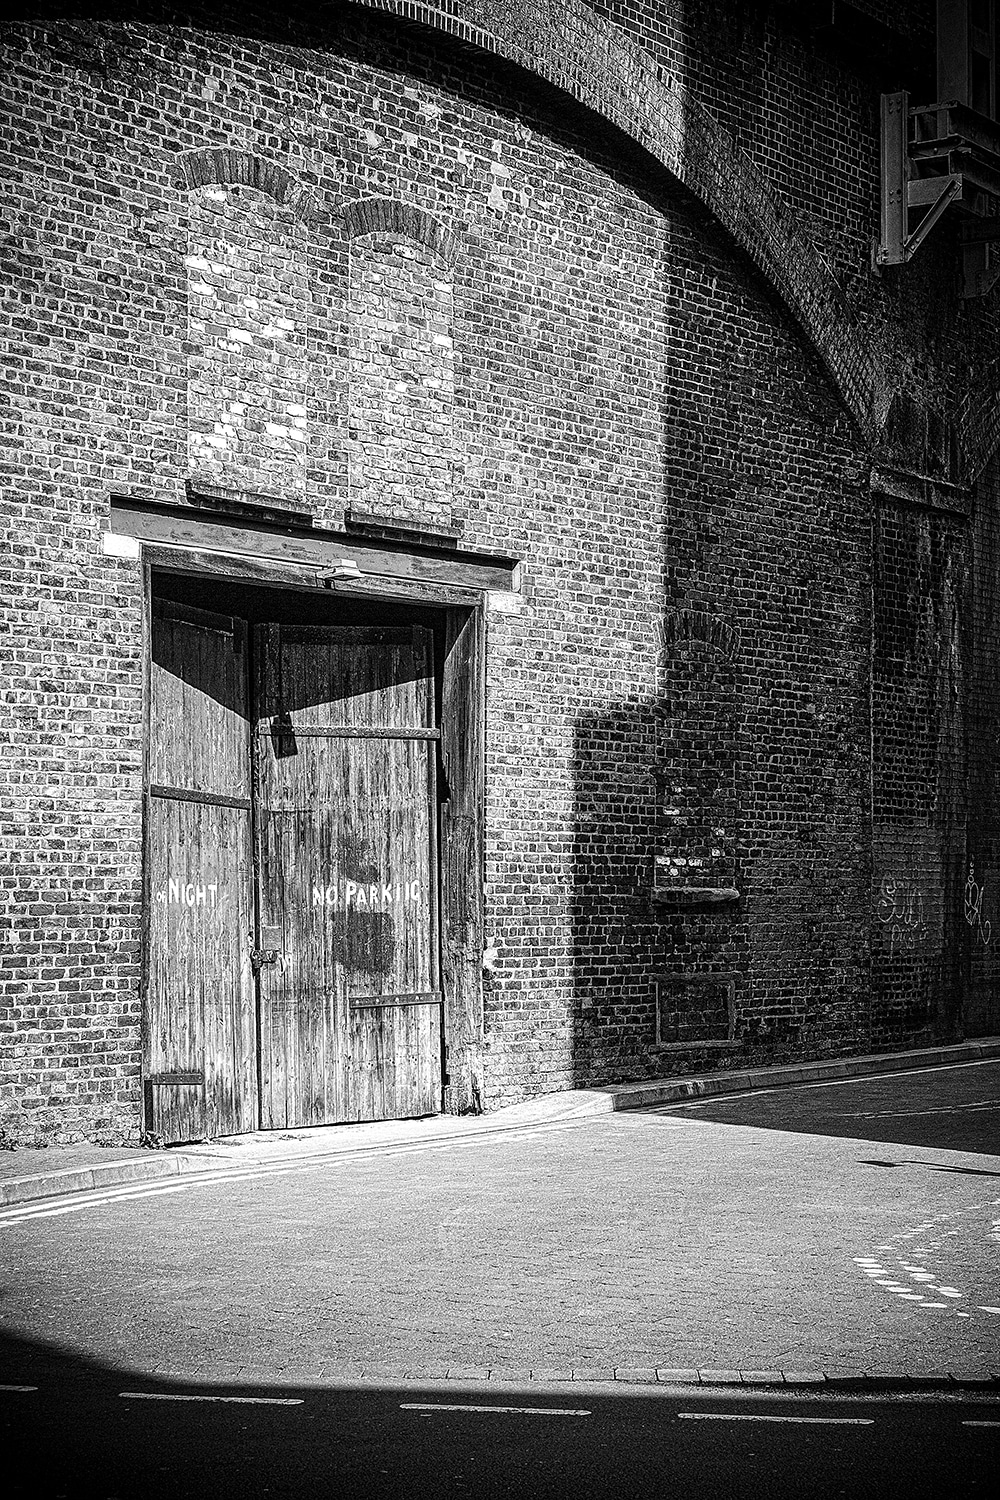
(591,59)
(224,166)
(686,625)
(392,216)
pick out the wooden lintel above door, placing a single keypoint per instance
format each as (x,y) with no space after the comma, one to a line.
(331,555)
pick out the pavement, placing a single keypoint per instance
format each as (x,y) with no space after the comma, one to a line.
(825,1228)
(31,1173)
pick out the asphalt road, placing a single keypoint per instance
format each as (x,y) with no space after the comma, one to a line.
(953,1108)
(86,1436)
(633,1240)
(762,1233)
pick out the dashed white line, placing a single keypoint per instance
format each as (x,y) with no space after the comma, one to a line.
(426,1408)
(981,1424)
(727,1416)
(236,1400)
(18,1388)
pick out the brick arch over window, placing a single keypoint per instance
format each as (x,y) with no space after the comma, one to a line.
(220,166)
(695,625)
(391,216)
(566,43)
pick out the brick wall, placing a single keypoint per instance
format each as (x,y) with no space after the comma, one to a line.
(401,427)
(249,307)
(366,270)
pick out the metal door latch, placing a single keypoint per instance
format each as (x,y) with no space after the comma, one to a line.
(261,956)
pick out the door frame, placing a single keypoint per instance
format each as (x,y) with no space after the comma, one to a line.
(460,814)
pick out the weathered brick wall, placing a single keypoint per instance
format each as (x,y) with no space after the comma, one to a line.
(978,958)
(918,741)
(401,382)
(249,310)
(380,274)
(70,792)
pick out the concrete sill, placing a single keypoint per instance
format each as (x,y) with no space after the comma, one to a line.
(693,895)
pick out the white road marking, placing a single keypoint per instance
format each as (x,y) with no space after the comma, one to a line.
(48,1208)
(724,1416)
(37,1211)
(532,1411)
(18,1388)
(236,1400)
(825,1083)
(981,1424)
(990,1309)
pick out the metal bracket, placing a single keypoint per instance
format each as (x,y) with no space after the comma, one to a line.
(932,157)
(900,193)
(261,956)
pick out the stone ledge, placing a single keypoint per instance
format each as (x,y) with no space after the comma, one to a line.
(693,895)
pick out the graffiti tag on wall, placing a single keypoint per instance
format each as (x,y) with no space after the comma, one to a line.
(974,909)
(901,910)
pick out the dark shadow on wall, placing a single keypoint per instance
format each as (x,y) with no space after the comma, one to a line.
(612,856)
(654,980)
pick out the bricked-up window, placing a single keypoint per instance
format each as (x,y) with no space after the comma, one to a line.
(694,1008)
(248,308)
(401,381)
(696,769)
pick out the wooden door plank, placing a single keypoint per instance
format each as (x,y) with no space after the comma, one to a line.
(346,850)
(199,1014)
(461,858)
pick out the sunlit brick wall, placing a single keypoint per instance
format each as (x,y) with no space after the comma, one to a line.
(351,266)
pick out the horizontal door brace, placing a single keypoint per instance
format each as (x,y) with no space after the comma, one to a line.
(347,732)
(375,1002)
(209,799)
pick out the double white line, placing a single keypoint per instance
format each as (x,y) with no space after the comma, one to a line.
(71,1203)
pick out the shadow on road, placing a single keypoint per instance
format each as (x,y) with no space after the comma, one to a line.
(73,1428)
(946,1109)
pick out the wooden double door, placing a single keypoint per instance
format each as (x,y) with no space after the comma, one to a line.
(293,942)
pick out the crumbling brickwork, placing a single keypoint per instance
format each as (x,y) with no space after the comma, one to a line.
(357,268)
